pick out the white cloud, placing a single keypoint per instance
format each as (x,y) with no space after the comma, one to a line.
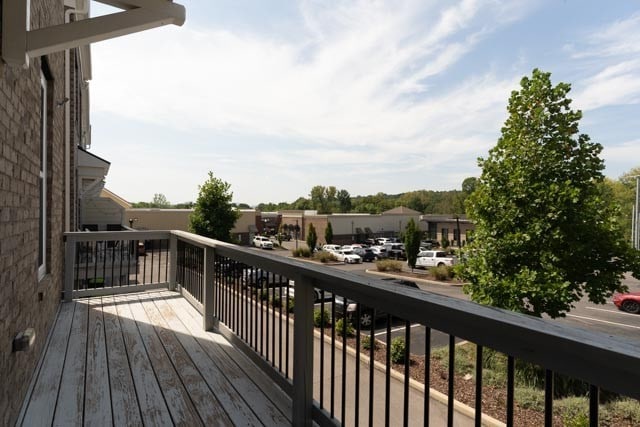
(359,89)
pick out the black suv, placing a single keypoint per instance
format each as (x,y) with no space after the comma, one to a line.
(366,254)
(395,250)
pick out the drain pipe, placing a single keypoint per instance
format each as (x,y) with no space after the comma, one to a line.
(67,122)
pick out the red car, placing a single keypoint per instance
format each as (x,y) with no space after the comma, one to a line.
(628,302)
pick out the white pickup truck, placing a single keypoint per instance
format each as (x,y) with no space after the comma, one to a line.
(434,259)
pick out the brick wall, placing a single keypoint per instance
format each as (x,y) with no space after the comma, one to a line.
(26,301)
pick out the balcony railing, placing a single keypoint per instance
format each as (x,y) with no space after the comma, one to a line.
(234,289)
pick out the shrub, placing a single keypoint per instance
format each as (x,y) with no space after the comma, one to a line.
(629,409)
(324,257)
(530,398)
(367,342)
(398,349)
(301,252)
(573,411)
(264,295)
(291,305)
(344,327)
(444,272)
(276,301)
(321,318)
(389,265)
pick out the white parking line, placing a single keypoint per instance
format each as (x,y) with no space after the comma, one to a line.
(612,311)
(604,321)
(400,328)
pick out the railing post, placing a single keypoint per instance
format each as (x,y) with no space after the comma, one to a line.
(303,353)
(173,261)
(69,263)
(207,288)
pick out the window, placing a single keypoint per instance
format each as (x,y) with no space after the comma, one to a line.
(445,234)
(455,234)
(433,231)
(42,180)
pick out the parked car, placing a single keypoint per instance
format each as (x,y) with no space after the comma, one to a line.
(366,254)
(262,242)
(348,257)
(367,315)
(429,244)
(395,250)
(330,248)
(629,302)
(379,252)
(434,259)
(256,277)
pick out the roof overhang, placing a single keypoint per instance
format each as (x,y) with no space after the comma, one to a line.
(19,43)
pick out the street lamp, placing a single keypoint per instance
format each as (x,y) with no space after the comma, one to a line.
(131,221)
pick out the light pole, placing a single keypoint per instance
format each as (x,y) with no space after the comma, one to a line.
(297,229)
(635,215)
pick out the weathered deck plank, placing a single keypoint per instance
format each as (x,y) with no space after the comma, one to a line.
(233,402)
(245,376)
(182,410)
(97,404)
(144,359)
(126,410)
(70,404)
(43,398)
(153,407)
(204,400)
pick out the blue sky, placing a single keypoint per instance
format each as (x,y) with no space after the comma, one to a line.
(368,96)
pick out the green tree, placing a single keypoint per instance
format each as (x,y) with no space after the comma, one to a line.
(160,201)
(545,235)
(213,214)
(412,242)
(344,201)
(469,185)
(312,237)
(328,234)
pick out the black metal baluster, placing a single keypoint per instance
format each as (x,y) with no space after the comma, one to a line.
(357,382)
(86,264)
(451,398)
(478,418)
(407,364)
(286,371)
(427,375)
(593,405)
(511,369)
(95,264)
(159,260)
(167,260)
(144,265)
(333,351)
(344,361)
(387,376)
(280,327)
(372,335)
(322,349)
(120,244)
(76,277)
(548,398)
(153,250)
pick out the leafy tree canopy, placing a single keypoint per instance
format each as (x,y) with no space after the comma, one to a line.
(213,215)
(545,234)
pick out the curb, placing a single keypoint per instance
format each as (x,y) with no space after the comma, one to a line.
(417,279)
(442,398)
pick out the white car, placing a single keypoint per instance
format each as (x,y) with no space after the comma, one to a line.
(434,259)
(330,248)
(262,242)
(347,257)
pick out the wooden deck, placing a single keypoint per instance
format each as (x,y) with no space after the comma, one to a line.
(144,359)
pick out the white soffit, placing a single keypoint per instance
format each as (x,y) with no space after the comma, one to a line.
(19,43)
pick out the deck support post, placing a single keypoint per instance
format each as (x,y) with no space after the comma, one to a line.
(173,261)
(207,288)
(69,262)
(303,352)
